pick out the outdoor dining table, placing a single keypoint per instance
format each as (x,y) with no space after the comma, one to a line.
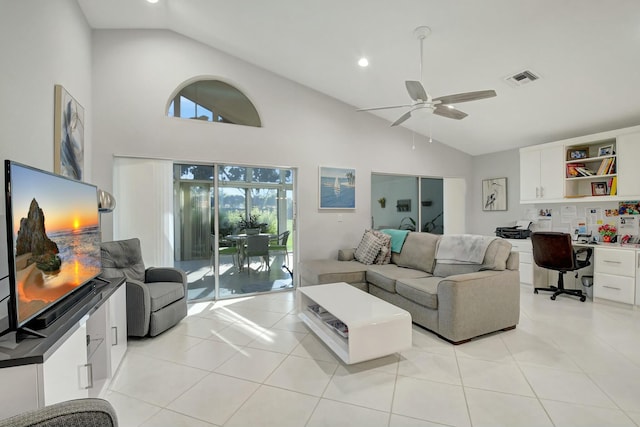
(240,240)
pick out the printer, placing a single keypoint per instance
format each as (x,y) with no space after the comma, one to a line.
(519,231)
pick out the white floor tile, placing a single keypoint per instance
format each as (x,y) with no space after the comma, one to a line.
(130,412)
(154,381)
(332,413)
(402,421)
(303,375)
(207,355)
(251,364)
(166,418)
(429,366)
(369,388)
(571,414)
(311,347)
(504,377)
(199,327)
(291,322)
(576,363)
(430,401)
(278,340)
(239,334)
(270,406)
(214,399)
(493,409)
(572,387)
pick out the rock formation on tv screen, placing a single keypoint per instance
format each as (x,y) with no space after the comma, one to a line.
(32,238)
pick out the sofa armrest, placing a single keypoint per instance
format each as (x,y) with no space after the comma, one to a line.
(474,304)
(166,274)
(347,254)
(138,308)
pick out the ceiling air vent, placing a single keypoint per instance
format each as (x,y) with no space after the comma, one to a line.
(522,78)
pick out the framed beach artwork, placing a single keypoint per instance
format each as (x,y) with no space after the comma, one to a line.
(494,194)
(68,135)
(337,188)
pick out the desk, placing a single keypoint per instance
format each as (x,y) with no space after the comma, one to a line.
(615,269)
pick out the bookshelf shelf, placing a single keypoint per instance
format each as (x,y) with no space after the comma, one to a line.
(600,170)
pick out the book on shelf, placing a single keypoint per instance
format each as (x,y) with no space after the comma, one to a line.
(572,171)
(603,166)
(613,186)
(612,166)
(584,171)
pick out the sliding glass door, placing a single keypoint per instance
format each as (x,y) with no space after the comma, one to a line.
(214,241)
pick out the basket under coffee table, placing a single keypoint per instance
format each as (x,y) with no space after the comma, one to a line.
(354,324)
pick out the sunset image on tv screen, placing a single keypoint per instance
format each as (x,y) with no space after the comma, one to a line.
(56,237)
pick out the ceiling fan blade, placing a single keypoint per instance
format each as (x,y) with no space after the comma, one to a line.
(466,97)
(416,90)
(402,118)
(383,108)
(451,113)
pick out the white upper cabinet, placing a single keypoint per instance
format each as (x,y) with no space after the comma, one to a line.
(541,171)
(598,167)
(628,168)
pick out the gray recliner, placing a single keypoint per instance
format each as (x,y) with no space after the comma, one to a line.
(72,413)
(156,297)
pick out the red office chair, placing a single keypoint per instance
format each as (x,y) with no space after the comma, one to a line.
(554,251)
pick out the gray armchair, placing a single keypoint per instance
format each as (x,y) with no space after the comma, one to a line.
(156,297)
(72,413)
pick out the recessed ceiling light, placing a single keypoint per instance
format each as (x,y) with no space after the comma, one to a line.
(363,62)
(152,1)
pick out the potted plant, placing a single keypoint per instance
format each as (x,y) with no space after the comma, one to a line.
(382,202)
(607,231)
(250,224)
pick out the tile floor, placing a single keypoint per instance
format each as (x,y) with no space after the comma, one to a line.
(250,362)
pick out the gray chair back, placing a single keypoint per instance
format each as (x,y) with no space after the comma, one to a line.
(257,245)
(122,258)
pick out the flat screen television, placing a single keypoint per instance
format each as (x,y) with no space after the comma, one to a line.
(53,237)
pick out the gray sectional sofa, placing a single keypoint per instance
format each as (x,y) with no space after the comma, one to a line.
(456,301)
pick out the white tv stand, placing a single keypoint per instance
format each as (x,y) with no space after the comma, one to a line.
(78,357)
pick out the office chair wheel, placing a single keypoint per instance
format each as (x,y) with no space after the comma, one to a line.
(583,298)
(553,297)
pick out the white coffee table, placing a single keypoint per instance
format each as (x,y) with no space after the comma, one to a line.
(375,327)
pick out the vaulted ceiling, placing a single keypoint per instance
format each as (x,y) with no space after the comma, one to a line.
(586,53)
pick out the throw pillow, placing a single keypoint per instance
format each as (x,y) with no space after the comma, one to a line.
(384,257)
(368,249)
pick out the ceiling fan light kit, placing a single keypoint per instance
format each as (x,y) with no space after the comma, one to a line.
(422,101)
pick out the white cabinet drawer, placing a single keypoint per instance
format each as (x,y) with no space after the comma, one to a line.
(615,288)
(520,245)
(526,273)
(526,258)
(615,261)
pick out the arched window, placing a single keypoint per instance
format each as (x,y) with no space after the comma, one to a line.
(214,101)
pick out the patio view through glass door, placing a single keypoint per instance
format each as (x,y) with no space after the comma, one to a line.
(215,244)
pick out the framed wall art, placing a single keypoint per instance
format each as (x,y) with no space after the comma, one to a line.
(68,135)
(337,188)
(494,194)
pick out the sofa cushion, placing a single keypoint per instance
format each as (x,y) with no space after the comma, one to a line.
(384,257)
(496,256)
(322,271)
(423,291)
(445,269)
(418,251)
(368,249)
(385,276)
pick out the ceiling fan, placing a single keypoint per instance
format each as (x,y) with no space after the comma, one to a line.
(442,105)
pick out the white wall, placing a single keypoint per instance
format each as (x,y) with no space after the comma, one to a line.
(42,43)
(494,165)
(135,73)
